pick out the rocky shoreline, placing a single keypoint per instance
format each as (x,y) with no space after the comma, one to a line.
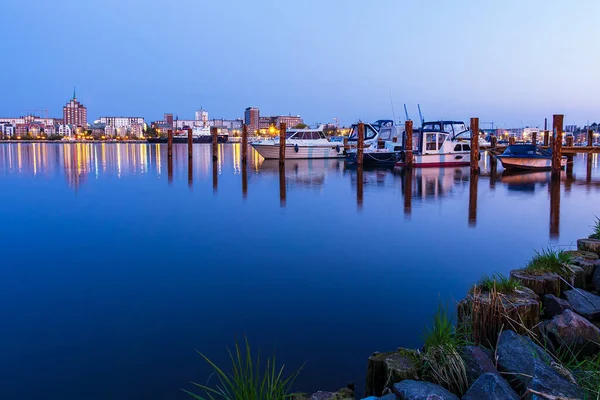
(519,329)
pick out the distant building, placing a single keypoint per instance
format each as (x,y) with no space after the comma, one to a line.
(75,113)
(65,130)
(230,126)
(289,121)
(570,128)
(110,131)
(169,119)
(7,129)
(264,122)
(251,119)
(136,130)
(119,122)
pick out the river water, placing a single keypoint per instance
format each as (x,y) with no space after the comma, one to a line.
(115,267)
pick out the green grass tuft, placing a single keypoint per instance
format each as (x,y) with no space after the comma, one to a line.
(442,332)
(585,370)
(499,282)
(549,260)
(596,230)
(247,381)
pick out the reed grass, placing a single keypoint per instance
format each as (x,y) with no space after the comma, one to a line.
(585,371)
(442,363)
(499,283)
(596,230)
(247,381)
(550,260)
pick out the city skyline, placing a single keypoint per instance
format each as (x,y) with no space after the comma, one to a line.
(506,62)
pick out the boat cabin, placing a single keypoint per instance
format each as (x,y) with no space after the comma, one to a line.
(454,128)
(383,129)
(526,150)
(305,134)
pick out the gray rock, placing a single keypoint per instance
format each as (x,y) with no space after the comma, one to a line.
(576,278)
(385,369)
(547,381)
(554,305)
(596,277)
(419,390)
(477,362)
(574,332)
(591,245)
(516,355)
(490,386)
(584,303)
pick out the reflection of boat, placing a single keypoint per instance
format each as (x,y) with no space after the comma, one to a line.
(524,181)
(383,144)
(301,144)
(438,182)
(302,172)
(527,157)
(441,144)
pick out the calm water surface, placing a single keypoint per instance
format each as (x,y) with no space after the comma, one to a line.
(116,267)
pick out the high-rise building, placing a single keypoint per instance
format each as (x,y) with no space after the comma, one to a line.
(75,113)
(251,119)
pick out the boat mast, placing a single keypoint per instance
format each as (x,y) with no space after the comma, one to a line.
(420,115)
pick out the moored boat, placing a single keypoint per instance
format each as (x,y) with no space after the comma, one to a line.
(528,157)
(301,144)
(383,144)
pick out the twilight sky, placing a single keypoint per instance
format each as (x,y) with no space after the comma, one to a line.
(513,62)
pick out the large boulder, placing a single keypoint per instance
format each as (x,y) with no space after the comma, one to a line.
(586,260)
(546,383)
(591,245)
(540,283)
(343,394)
(490,387)
(419,390)
(584,303)
(574,332)
(477,362)
(486,314)
(554,305)
(385,369)
(528,370)
(596,277)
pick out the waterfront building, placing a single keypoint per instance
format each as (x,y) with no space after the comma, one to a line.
(75,113)
(110,131)
(289,121)
(229,126)
(136,130)
(264,123)
(7,129)
(119,122)
(251,119)
(65,130)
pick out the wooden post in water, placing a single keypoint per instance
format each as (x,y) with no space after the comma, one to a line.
(511,140)
(359,186)
(554,188)
(557,126)
(473,181)
(170,143)
(534,138)
(546,133)
(360,143)
(408,146)
(190,143)
(569,141)
(244,145)
(346,147)
(282,188)
(215,143)
(474,145)
(590,138)
(408,178)
(282,130)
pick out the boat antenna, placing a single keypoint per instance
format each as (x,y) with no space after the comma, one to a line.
(406,113)
(393,111)
(420,115)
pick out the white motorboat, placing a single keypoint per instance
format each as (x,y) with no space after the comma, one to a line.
(528,157)
(383,143)
(301,144)
(457,130)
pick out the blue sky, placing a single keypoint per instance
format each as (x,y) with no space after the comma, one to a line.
(513,61)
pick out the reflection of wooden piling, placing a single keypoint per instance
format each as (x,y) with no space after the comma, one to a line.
(282,130)
(215,143)
(190,172)
(359,186)
(557,126)
(408,177)
(244,144)
(408,146)
(590,138)
(588,167)
(473,181)
(493,171)
(282,188)
(554,188)
(215,176)
(474,145)
(190,143)
(244,180)
(360,143)
(170,168)
(170,143)
(534,138)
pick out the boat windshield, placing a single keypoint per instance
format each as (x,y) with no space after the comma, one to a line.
(370,133)
(307,135)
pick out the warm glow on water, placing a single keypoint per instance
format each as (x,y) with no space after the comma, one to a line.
(116,266)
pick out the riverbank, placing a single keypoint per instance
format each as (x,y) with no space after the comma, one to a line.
(534,335)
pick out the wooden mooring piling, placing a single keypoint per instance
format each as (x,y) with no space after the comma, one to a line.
(215,143)
(282,130)
(474,145)
(360,143)
(190,139)
(557,126)
(244,144)
(408,130)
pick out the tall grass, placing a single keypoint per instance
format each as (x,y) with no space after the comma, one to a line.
(246,381)
(442,363)
(498,282)
(584,370)
(550,260)
(596,229)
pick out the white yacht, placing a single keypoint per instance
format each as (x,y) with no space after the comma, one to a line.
(301,144)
